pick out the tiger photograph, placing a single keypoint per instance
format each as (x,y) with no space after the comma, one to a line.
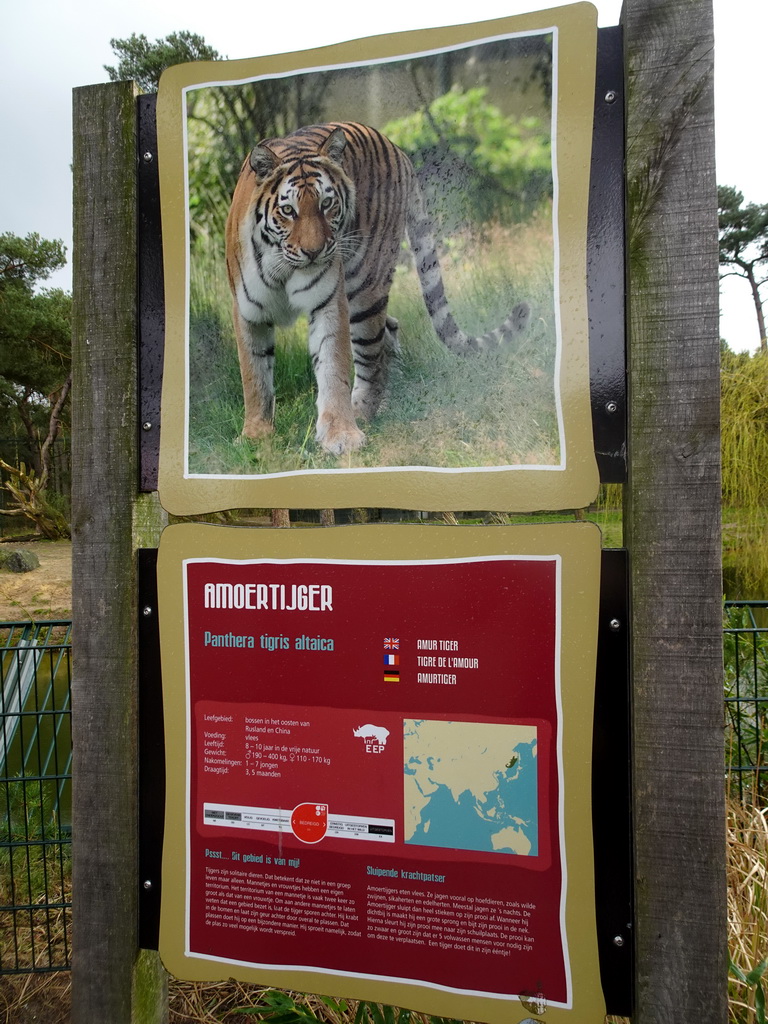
(372,272)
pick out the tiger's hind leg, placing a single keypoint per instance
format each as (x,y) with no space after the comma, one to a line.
(372,358)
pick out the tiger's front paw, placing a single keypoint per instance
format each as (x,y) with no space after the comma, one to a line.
(338,436)
(255,428)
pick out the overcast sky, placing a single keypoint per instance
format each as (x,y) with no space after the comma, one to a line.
(50,47)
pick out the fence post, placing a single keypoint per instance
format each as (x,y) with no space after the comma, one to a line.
(111,979)
(672,516)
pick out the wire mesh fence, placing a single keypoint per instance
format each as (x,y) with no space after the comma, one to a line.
(745,665)
(35,796)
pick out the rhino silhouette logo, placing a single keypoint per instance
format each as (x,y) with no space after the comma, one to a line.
(372,733)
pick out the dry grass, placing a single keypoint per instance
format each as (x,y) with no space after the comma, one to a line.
(34,998)
(199,1003)
(747,901)
(192,1002)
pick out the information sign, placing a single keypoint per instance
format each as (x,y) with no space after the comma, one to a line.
(367,305)
(378,744)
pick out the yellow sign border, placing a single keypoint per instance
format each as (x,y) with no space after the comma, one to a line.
(578,545)
(571,484)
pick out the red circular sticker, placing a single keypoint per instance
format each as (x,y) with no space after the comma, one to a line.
(309,822)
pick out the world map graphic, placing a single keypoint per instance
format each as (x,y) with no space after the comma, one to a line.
(471,786)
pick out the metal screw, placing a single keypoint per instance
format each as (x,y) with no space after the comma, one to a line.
(611,96)
(148,885)
(146,610)
(146,425)
(618,940)
(611,407)
(615,625)
(148,157)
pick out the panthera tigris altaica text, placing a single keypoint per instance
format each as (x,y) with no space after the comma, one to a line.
(315,227)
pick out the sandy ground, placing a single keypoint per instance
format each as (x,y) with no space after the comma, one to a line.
(43,593)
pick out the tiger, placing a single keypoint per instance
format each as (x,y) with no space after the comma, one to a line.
(316,225)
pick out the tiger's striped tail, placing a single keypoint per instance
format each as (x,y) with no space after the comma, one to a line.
(421,236)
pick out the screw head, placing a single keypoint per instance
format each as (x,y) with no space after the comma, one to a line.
(146,425)
(146,610)
(147,884)
(611,406)
(615,625)
(618,940)
(611,96)
(148,157)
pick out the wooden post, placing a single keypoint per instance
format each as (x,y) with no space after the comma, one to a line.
(672,517)
(111,979)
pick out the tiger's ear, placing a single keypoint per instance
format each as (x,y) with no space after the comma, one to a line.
(334,145)
(263,161)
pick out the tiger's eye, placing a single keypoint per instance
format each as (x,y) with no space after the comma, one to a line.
(286,210)
(327,203)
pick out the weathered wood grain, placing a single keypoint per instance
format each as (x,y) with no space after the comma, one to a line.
(111,981)
(673,513)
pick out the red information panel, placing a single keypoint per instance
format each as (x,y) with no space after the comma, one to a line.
(374,771)
(401,814)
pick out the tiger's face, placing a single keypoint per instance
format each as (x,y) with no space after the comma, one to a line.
(305,217)
(305,206)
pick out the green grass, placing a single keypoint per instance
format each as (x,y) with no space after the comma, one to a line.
(442,410)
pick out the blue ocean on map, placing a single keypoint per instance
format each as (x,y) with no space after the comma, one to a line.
(503,819)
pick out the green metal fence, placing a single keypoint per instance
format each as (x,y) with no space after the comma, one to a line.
(35,796)
(746,697)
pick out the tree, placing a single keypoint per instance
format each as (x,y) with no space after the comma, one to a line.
(744,244)
(29,259)
(35,345)
(144,62)
(224,122)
